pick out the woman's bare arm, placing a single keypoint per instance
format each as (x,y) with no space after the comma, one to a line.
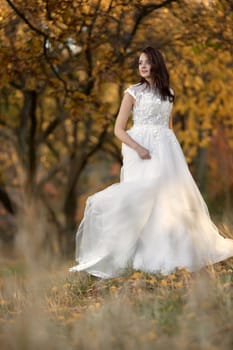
(170,123)
(120,126)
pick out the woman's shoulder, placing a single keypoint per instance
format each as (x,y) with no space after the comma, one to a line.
(171,90)
(133,89)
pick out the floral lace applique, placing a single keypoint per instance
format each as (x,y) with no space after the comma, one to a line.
(149,108)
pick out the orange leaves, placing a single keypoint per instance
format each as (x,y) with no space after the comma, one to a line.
(136,275)
(202,78)
(198,83)
(164,283)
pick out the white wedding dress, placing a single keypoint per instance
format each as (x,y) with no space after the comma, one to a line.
(154,219)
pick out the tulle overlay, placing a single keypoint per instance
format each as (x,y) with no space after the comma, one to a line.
(155,218)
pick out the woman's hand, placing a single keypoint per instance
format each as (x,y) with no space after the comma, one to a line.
(143,152)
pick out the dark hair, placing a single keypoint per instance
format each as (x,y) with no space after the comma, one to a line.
(159,72)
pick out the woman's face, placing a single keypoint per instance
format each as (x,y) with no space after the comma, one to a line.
(144,66)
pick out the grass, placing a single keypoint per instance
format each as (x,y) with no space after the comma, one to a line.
(43,306)
(61,310)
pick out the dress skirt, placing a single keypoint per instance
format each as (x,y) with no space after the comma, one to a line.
(154,220)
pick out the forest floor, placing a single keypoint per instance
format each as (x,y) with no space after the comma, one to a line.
(44,306)
(55,309)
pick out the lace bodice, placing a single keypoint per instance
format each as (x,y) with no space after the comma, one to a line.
(149,109)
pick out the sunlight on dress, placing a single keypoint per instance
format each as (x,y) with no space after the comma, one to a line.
(155,219)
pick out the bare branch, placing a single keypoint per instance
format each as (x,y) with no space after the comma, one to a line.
(53,171)
(6,201)
(55,72)
(50,128)
(145,10)
(46,38)
(21,15)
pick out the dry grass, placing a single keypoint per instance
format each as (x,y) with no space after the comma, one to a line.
(57,310)
(43,306)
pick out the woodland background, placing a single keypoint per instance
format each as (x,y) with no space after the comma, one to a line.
(64,67)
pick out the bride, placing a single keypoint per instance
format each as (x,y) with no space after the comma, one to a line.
(154,219)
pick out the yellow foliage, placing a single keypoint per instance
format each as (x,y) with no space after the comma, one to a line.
(136,275)
(178,284)
(163,283)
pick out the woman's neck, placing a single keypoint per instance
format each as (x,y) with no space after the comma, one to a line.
(148,82)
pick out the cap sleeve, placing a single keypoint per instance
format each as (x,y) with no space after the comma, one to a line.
(131,91)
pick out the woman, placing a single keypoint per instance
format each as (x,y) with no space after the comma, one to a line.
(155,219)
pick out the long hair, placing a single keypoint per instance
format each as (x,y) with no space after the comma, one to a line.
(159,73)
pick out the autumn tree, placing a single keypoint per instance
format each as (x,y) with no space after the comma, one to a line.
(64,66)
(58,59)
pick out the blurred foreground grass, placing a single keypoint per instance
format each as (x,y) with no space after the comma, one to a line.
(43,306)
(55,309)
